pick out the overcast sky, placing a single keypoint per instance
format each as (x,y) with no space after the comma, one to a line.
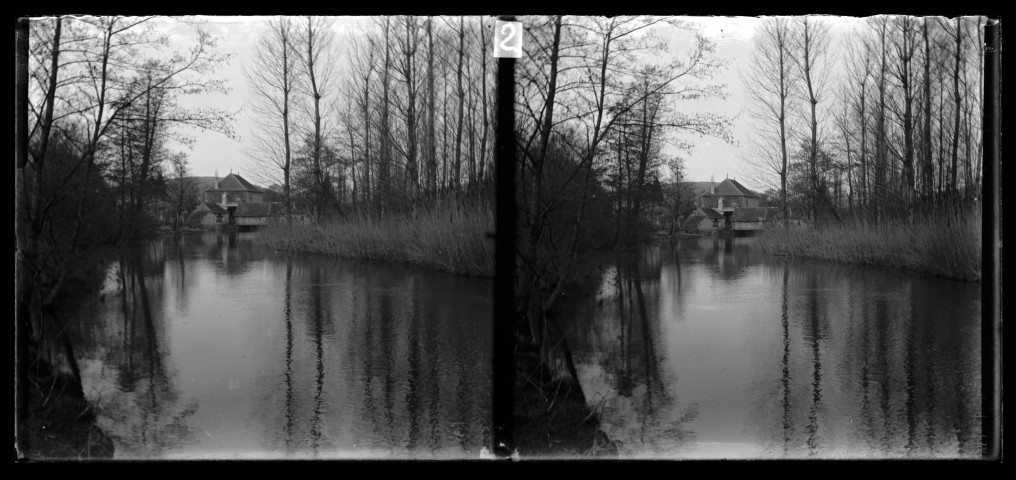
(711,158)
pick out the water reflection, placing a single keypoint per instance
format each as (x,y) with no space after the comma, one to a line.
(210,347)
(707,349)
(618,359)
(128,351)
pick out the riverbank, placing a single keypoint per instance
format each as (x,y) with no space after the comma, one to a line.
(946,245)
(552,419)
(61,421)
(449,237)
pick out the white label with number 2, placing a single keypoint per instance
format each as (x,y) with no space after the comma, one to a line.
(507,39)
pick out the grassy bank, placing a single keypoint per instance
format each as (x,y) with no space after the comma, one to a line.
(448,237)
(946,245)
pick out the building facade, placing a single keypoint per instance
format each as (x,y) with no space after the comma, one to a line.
(232,191)
(728,195)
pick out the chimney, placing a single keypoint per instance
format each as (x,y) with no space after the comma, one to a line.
(712,189)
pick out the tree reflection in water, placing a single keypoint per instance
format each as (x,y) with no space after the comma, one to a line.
(777,358)
(618,335)
(143,411)
(211,347)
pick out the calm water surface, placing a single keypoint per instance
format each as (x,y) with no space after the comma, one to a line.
(706,349)
(213,348)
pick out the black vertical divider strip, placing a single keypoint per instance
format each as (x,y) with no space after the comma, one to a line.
(991,407)
(504,267)
(22,324)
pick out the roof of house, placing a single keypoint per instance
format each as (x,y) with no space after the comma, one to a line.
(711,213)
(729,187)
(195,217)
(752,214)
(691,223)
(259,209)
(216,209)
(235,183)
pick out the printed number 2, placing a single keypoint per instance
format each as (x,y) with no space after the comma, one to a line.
(509,31)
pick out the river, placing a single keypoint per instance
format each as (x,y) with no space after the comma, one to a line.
(211,347)
(705,348)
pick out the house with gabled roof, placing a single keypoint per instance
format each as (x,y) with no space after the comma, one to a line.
(232,191)
(235,202)
(728,195)
(732,206)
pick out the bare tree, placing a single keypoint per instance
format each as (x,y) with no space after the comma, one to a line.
(272,76)
(457,164)
(769,82)
(317,64)
(431,168)
(484,93)
(810,40)
(904,46)
(185,191)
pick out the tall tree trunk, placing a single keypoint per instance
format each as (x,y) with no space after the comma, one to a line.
(384,170)
(483,98)
(287,85)
(319,190)
(958,105)
(928,178)
(980,105)
(409,49)
(431,107)
(367,190)
(941,133)
(880,146)
(457,166)
(784,93)
(865,183)
(645,147)
(906,55)
(471,125)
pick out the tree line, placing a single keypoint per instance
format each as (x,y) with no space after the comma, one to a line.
(878,120)
(391,115)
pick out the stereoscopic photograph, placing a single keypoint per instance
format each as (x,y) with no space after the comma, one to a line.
(507,238)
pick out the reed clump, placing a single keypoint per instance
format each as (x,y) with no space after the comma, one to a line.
(449,236)
(946,244)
